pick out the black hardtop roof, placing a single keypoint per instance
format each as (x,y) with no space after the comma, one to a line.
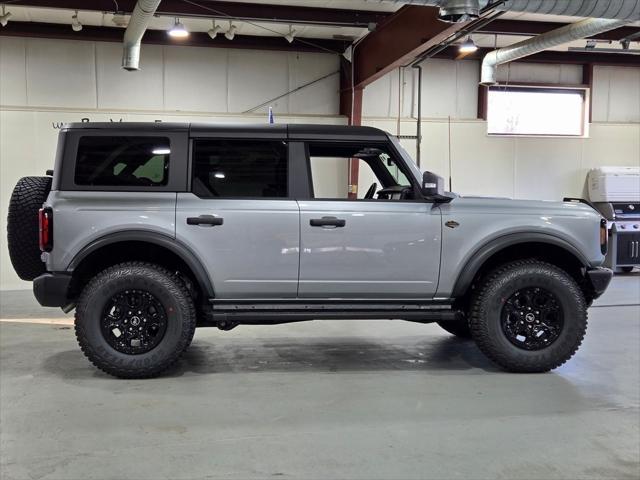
(239,130)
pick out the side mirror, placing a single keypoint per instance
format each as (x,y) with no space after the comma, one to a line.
(432,185)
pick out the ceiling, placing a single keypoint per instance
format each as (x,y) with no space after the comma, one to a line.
(347,32)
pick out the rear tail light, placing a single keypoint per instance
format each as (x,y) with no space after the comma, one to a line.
(604,236)
(45,229)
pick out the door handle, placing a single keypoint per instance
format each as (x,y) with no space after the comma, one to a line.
(205,220)
(327,222)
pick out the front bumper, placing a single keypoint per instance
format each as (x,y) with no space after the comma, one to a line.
(598,280)
(51,289)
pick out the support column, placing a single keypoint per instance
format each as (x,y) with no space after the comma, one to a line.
(351,107)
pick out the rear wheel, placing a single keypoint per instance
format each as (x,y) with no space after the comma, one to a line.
(528,316)
(22,226)
(134,320)
(627,269)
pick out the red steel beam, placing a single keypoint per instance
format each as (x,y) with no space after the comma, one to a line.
(399,40)
(222,9)
(160,37)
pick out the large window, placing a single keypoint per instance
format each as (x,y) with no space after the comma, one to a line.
(123,161)
(240,168)
(356,171)
(536,111)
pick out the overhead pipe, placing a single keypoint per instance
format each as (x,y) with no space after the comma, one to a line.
(554,38)
(142,14)
(464,10)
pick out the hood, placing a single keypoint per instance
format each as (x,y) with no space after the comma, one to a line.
(523,207)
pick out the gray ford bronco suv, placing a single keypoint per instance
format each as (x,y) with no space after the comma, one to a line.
(150,230)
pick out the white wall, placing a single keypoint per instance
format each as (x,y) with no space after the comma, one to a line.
(519,167)
(46,82)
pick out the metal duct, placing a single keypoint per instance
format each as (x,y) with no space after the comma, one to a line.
(142,13)
(620,9)
(560,36)
(462,10)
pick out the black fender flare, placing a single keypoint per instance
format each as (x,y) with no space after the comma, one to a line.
(486,251)
(159,239)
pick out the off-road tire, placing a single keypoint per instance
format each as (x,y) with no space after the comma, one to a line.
(498,286)
(458,327)
(166,287)
(22,226)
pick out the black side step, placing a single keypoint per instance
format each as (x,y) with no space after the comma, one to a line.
(285,311)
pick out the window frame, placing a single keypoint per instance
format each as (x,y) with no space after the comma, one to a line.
(239,139)
(306,177)
(176,175)
(584,90)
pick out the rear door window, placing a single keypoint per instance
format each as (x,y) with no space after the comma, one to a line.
(239,168)
(123,161)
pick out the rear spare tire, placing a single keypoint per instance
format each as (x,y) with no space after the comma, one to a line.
(22,225)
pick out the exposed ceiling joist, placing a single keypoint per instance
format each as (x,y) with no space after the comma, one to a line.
(398,41)
(221,9)
(159,37)
(530,29)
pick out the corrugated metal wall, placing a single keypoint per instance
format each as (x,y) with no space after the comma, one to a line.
(62,73)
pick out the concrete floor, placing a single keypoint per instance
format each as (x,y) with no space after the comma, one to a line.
(359,399)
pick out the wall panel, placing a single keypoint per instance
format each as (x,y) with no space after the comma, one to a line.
(13,75)
(61,72)
(118,88)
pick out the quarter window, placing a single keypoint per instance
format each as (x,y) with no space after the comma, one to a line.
(123,161)
(240,168)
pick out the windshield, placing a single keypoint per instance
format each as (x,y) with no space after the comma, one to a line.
(407,159)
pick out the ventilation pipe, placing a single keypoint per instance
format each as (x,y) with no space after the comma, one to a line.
(463,10)
(560,36)
(142,13)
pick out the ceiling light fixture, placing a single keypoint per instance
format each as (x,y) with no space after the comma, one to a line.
(75,23)
(214,30)
(468,46)
(231,33)
(4,19)
(291,35)
(178,30)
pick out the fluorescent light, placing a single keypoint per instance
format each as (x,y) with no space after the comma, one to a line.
(469,46)
(75,23)
(231,33)
(178,30)
(219,175)
(161,151)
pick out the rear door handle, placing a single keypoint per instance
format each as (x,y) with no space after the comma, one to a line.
(327,222)
(205,220)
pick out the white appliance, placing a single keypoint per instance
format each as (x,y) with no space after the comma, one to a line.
(614,184)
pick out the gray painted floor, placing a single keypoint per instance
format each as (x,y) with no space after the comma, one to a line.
(359,399)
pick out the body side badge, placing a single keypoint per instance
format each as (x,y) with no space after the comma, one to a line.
(452,224)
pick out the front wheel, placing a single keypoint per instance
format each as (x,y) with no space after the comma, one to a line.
(134,320)
(528,316)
